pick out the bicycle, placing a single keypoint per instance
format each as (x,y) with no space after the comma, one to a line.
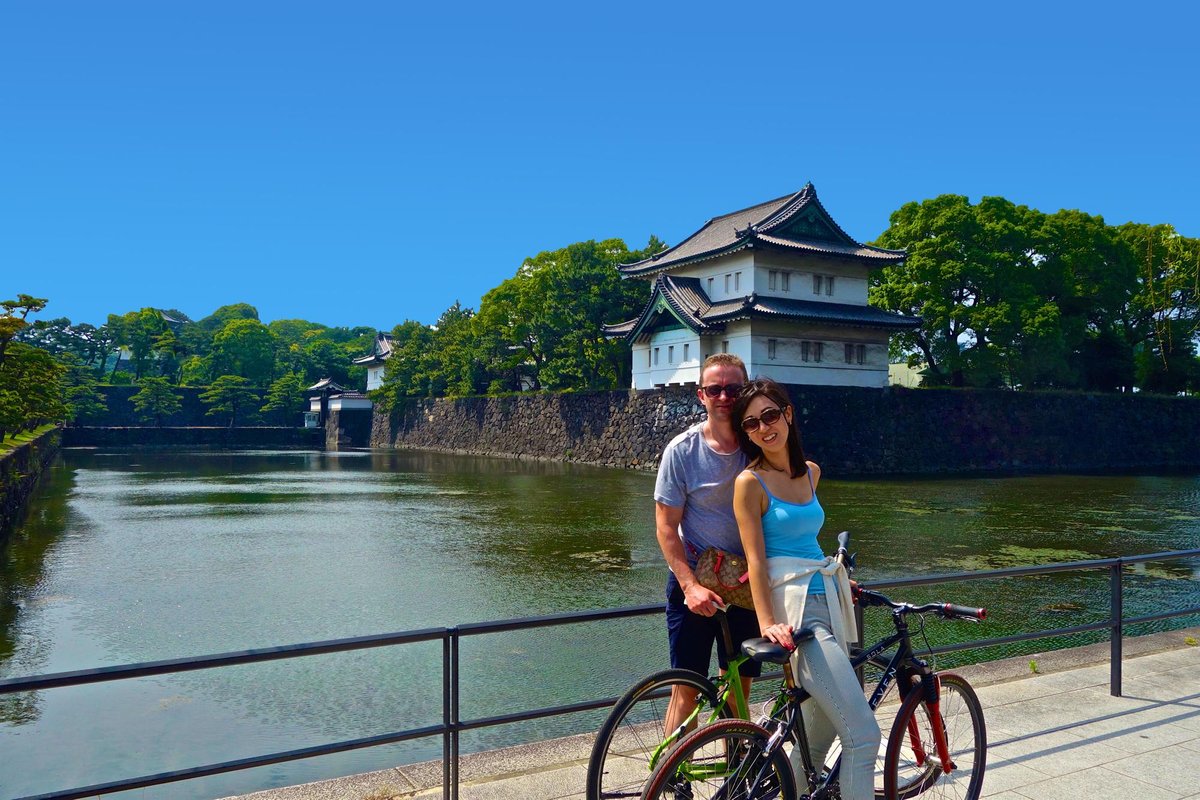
(937,742)
(632,741)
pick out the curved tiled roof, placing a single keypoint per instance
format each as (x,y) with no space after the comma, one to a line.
(765,223)
(692,307)
(381,350)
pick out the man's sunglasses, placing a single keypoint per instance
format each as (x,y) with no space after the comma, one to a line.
(768,417)
(730,390)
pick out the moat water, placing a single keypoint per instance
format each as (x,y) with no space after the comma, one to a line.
(139,556)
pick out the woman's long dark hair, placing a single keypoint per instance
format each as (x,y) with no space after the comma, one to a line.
(765,387)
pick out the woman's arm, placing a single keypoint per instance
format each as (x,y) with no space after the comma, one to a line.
(815,470)
(748,503)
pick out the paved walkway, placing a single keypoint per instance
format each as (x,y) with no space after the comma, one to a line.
(1057,734)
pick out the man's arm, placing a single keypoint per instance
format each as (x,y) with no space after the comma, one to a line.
(697,598)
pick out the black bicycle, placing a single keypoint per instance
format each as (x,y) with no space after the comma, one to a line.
(937,743)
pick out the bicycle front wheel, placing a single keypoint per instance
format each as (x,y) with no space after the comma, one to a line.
(632,740)
(911,765)
(728,760)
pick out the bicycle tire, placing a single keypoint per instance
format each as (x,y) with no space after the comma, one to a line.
(699,768)
(622,755)
(907,774)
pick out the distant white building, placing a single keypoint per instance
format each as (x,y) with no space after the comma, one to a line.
(376,360)
(779,284)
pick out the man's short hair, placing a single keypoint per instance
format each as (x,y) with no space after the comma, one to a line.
(725,360)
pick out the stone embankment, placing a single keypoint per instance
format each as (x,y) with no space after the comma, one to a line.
(20,472)
(849,431)
(224,438)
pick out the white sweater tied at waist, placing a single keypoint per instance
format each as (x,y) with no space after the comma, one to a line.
(789,576)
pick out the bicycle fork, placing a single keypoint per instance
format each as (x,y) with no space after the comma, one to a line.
(931,687)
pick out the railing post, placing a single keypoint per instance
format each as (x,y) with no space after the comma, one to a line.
(446,715)
(860,627)
(1116,633)
(450,719)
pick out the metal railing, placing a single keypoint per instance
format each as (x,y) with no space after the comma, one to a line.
(452,726)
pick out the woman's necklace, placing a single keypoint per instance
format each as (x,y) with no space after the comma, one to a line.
(766,463)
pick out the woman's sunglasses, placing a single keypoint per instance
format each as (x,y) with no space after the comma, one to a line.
(768,417)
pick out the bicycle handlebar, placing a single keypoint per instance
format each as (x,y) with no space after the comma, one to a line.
(947,610)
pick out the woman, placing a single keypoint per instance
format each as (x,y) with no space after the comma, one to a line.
(795,586)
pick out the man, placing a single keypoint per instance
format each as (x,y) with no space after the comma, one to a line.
(694,510)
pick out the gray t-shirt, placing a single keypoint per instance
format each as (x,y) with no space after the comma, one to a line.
(693,476)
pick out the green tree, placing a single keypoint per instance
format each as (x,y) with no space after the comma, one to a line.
(544,323)
(1090,274)
(1162,317)
(80,393)
(139,331)
(246,348)
(454,367)
(972,275)
(30,389)
(407,369)
(195,371)
(286,396)
(12,320)
(229,394)
(156,400)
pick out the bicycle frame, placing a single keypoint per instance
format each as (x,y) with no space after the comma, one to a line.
(786,717)
(901,668)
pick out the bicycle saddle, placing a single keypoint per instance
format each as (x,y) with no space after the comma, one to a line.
(765,650)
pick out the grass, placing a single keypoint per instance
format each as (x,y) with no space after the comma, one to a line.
(11,443)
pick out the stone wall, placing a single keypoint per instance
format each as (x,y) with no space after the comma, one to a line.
(20,471)
(849,431)
(348,428)
(197,437)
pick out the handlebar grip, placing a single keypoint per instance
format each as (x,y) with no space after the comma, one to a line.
(950,610)
(843,540)
(868,598)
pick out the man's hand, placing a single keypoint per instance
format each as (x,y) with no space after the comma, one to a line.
(702,600)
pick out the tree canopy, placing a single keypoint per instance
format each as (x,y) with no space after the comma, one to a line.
(1011,296)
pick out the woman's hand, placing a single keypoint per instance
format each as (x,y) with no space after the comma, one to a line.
(781,634)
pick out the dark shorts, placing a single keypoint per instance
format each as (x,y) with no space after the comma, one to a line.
(692,636)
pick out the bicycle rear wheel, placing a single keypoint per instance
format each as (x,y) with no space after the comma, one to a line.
(911,765)
(727,760)
(632,740)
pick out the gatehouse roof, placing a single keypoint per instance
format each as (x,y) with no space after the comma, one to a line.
(381,350)
(796,223)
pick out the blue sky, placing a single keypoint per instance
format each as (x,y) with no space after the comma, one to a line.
(364,163)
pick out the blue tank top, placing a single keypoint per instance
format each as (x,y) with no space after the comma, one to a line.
(790,529)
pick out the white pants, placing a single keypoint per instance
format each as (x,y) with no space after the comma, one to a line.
(838,706)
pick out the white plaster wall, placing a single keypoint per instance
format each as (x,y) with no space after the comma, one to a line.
(849,286)
(832,370)
(375,377)
(676,370)
(717,269)
(346,403)
(641,370)
(737,335)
